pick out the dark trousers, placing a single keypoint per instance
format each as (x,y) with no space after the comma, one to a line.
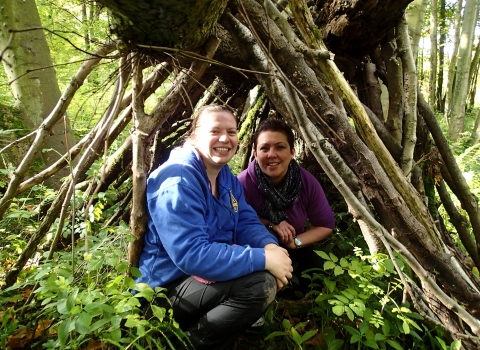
(215,315)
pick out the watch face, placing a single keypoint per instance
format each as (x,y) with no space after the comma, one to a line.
(297,241)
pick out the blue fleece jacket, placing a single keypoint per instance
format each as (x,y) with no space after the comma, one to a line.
(190,232)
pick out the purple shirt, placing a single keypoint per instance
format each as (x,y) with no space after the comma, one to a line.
(311,204)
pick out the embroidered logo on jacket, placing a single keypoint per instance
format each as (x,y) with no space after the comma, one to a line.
(234,202)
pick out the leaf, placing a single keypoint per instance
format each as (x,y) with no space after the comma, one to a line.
(335,344)
(275,334)
(328,265)
(323,254)
(406,327)
(322,297)
(338,310)
(286,324)
(309,334)
(135,272)
(338,271)
(370,344)
(394,344)
(351,330)
(343,263)
(64,329)
(442,343)
(333,257)
(379,337)
(158,312)
(342,298)
(350,314)
(363,327)
(85,319)
(330,285)
(355,338)
(456,345)
(297,338)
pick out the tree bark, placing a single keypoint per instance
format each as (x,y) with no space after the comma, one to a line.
(456,111)
(432,83)
(33,80)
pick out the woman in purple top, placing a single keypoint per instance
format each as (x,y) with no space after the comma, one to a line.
(285,195)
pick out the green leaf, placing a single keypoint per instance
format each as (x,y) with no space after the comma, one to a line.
(322,297)
(64,329)
(342,298)
(85,319)
(389,265)
(328,265)
(286,324)
(322,254)
(338,271)
(456,345)
(297,338)
(371,344)
(275,334)
(351,330)
(394,344)
(350,314)
(338,310)
(363,327)
(343,263)
(379,337)
(100,323)
(330,285)
(309,334)
(406,327)
(335,344)
(158,312)
(442,343)
(414,324)
(355,338)
(333,257)
(347,294)
(135,272)
(386,327)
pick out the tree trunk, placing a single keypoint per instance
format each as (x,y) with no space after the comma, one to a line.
(441,59)
(28,66)
(452,67)
(432,82)
(415,16)
(456,111)
(473,75)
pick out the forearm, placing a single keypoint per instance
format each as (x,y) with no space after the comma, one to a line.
(311,236)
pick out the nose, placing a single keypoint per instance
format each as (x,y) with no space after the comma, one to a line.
(223,138)
(271,153)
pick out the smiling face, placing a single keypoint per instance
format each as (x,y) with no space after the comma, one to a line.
(215,138)
(273,154)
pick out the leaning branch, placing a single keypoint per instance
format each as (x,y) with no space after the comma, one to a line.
(45,128)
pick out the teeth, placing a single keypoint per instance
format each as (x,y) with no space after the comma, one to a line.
(273,164)
(219,149)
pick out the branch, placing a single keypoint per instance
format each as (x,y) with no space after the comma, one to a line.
(45,128)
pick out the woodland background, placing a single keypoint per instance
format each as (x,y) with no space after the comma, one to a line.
(383,97)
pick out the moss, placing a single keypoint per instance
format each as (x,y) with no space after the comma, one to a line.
(246,125)
(10,120)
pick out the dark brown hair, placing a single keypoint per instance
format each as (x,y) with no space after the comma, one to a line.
(274,124)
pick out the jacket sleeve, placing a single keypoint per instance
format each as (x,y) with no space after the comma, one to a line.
(250,231)
(177,210)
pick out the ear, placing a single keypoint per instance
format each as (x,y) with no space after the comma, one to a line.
(293,152)
(255,153)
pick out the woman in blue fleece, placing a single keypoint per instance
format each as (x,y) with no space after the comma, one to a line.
(204,243)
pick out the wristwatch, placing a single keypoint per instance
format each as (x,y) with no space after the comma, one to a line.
(298,242)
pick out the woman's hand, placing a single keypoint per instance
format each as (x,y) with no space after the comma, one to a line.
(285,231)
(278,264)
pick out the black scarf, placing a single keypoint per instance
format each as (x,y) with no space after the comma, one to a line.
(279,198)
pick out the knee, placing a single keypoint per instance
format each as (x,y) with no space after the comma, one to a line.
(264,286)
